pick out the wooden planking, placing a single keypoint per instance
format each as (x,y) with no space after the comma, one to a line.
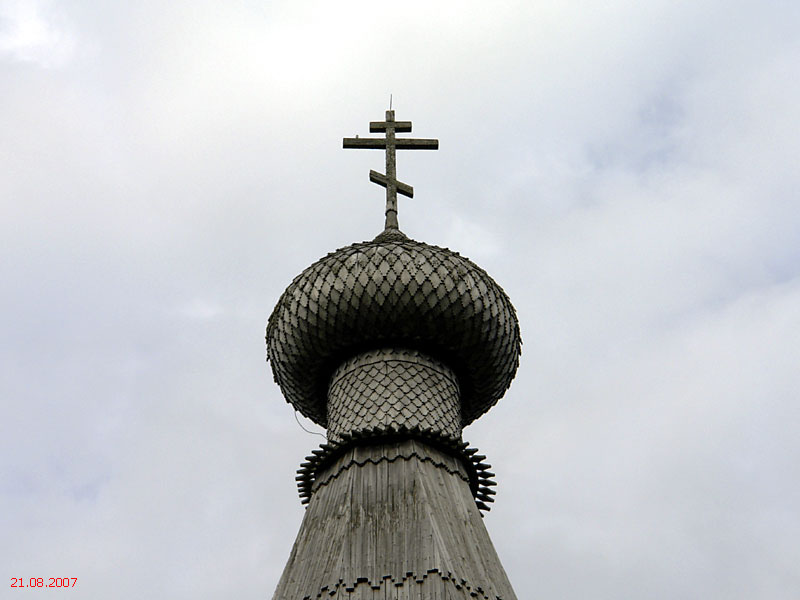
(406,528)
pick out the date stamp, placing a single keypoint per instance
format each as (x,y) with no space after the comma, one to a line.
(41,582)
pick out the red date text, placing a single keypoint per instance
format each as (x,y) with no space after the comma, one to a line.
(52,582)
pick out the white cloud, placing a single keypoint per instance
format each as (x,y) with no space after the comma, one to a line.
(199,309)
(31,31)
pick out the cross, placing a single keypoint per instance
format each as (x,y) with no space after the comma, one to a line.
(390,143)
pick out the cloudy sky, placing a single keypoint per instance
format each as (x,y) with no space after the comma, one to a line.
(626,170)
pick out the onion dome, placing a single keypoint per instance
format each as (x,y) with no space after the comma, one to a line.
(393,292)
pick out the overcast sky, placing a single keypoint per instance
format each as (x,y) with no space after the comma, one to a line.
(626,170)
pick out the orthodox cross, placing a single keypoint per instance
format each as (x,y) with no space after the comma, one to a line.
(390,143)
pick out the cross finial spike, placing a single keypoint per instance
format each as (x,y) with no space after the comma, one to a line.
(390,143)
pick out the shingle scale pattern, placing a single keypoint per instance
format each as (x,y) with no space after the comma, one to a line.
(388,388)
(393,291)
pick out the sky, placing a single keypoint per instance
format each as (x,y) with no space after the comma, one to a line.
(625,170)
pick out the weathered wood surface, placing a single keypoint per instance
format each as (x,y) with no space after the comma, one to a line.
(391,144)
(393,523)
(393,388)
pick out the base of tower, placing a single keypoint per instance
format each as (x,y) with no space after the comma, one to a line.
(393,520)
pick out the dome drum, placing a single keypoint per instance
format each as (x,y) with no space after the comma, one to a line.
(390,388)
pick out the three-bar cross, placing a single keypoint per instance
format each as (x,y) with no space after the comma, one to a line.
(390,143)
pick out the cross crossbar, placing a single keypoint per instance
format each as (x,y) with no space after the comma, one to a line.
(391,144)
(399,126)
(400,144)
(380,179)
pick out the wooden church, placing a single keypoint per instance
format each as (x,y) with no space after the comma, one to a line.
(393,346)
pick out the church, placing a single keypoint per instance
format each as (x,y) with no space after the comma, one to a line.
(394,346)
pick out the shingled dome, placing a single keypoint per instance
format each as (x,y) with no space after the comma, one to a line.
(393,291)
